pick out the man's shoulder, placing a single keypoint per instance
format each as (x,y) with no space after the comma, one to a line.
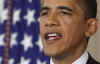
(92,61)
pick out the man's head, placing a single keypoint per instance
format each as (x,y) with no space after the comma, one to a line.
(66,25)
(89,7)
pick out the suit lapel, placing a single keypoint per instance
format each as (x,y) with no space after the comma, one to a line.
(91,60)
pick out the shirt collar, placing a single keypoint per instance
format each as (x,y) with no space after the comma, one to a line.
(82,60)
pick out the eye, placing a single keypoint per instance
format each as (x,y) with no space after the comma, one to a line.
(44,13)
(66,13)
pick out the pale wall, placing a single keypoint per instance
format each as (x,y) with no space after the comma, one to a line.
(94,44)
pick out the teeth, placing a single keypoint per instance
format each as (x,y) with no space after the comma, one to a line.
(53,34)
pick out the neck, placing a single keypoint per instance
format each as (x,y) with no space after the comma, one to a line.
(71,56)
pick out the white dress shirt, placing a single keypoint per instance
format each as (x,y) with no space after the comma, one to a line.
(82,60)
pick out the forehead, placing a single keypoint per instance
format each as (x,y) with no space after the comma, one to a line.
(55,3)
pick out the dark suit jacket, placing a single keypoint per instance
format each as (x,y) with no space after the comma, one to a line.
(92,61)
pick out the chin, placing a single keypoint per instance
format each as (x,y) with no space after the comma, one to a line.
(50,52)
(53,53)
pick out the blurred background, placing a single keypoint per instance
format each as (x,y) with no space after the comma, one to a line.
(94,44)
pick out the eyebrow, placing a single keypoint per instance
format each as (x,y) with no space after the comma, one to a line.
(44,8)
(65,8)
(59,7)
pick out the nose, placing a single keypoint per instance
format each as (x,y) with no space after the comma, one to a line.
(52,20)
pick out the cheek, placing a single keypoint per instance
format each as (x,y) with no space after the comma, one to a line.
(72,34)
(41,26)
(69,28)
(42,30)
(65,20)
(42,22)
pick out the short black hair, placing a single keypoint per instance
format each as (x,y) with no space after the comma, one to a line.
(90,8)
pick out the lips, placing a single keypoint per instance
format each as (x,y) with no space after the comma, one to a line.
(53,36)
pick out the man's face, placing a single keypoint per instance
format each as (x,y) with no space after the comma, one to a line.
(62,26)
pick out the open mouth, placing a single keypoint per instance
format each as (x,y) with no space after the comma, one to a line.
(53,36)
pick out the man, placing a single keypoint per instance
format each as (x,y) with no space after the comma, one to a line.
(65,28)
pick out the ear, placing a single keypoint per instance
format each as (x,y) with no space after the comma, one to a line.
(92,25)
